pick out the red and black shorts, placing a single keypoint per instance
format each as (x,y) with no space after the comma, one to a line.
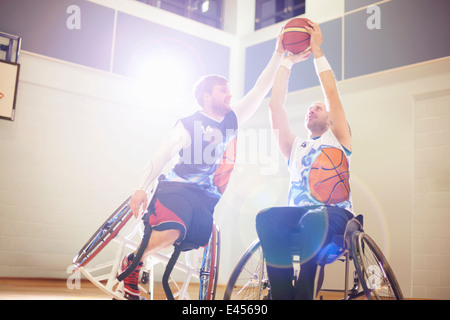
(180,206)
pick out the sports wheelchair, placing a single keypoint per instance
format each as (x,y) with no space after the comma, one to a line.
(204,265)
(373,277)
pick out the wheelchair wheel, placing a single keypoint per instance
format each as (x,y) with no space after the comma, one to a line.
(209,270)
(107,231)
(249,280)
(375,274)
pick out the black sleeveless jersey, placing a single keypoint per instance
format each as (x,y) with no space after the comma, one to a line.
(209,160)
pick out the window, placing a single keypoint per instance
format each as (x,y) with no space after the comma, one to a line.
(269,12)
(205,11)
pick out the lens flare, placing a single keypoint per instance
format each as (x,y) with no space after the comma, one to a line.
(165,71)
(365,201)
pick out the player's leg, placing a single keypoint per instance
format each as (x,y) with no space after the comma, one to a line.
(274,227)
(317,229)
(169,217)
(159,240)
(310,239)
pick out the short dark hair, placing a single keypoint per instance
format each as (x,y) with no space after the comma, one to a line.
(206,84)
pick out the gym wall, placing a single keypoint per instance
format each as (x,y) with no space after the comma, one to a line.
(84,131)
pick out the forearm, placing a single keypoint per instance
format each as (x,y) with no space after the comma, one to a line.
(333,102)
(177,140)
(248,105)
(278,113)
(265,80)
(151,172)
(280,87)
(326,78)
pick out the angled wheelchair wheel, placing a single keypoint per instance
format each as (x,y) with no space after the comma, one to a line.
(249,280)
(375,274)
(209,269)
(107,231)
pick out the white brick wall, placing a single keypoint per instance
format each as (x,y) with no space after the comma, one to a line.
(73,154)
(431,215)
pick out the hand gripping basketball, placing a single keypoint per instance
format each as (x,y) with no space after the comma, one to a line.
(296,38)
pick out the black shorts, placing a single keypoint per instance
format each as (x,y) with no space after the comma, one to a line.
(183,207)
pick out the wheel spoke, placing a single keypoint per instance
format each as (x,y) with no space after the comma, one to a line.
(376,276)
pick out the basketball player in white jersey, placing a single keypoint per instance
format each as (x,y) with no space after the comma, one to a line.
(317,210)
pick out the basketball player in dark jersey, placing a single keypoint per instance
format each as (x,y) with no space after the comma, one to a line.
(318,210)
(183,205)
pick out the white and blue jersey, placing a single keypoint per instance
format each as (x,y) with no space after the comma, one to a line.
(319,172)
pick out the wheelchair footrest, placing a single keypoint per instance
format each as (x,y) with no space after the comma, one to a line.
(330,253)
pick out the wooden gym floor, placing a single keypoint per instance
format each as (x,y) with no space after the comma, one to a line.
(56,289)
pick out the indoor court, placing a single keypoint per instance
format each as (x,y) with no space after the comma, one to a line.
(94,93)
(56,289)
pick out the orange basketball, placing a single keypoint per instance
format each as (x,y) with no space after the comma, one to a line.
(329,177)
(295,37)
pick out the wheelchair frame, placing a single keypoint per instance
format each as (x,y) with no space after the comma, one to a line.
(111,230)
(372,273)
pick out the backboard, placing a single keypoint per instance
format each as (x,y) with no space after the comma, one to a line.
(9,47)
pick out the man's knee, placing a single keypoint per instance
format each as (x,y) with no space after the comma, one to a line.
(170,235)
(263,219)
(162,239)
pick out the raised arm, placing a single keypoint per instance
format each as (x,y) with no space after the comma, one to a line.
(336,113)
(280,122)
(171,146)
(248,105)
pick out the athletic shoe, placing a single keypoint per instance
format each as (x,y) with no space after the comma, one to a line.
(131,283)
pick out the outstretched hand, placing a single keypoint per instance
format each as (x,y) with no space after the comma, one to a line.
(316,37)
